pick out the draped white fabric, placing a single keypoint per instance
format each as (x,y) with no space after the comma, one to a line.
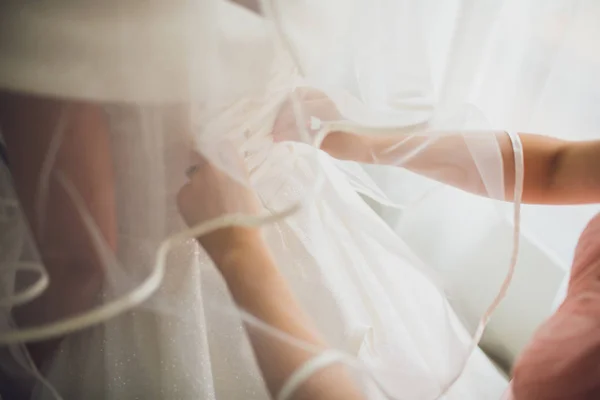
(171,77)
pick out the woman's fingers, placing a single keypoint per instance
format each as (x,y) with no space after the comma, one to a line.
(218,185)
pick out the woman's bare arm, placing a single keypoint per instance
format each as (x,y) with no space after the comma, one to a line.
(556,171)
(258,287)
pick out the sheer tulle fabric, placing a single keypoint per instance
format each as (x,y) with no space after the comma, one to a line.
(162,323)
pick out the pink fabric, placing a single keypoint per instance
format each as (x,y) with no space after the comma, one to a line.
(508,394)
(562,361)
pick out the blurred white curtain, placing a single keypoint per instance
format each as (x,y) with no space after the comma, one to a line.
(527,66)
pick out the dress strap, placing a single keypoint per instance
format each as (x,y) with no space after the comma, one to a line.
(519,166)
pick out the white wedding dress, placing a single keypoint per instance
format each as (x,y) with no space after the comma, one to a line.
(366,292)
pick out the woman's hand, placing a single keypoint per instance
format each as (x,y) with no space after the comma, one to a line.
(211,193)
(316,104)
